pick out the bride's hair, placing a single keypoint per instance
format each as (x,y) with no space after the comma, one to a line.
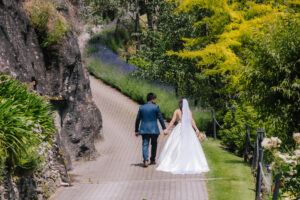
(180,103)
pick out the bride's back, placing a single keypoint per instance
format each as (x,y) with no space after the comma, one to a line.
(178,113)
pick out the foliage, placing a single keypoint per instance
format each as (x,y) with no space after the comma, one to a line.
(218,53)
(286,165)
(229,177)
(114,37)
(146,69)
(101,11)
(208,41)
(167,35)
(26,125)
(271,88)
(50,25)
(2,164)
(233,135)
(137,89)
(90,49)
(272,81)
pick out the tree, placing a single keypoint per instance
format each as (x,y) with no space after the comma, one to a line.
(224,29)
(273,79)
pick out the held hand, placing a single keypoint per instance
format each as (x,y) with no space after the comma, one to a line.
(197,131)
(202,137)
(166,132)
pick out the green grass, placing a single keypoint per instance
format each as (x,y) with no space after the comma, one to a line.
(237,182)
(114,40)
(138,89)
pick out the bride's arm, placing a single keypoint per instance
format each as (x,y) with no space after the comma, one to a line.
(194,124)
(173,120)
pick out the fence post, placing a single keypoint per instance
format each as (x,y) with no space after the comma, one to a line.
(276,189)
(260,134)
(254,160)
(246,143)
(214,124)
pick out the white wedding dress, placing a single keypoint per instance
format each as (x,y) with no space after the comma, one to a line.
(182,153)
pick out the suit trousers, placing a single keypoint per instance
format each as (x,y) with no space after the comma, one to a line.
(146,140)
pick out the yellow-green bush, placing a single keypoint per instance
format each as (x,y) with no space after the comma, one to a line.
(50,25)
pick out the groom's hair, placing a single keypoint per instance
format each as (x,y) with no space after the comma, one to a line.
(151,96)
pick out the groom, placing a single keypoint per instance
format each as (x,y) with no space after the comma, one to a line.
(149,113)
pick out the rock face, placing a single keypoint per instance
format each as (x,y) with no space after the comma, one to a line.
(38,185)
(57,72)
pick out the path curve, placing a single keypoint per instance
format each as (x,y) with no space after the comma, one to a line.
(117,173)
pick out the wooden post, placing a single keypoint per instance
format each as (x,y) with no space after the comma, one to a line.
(214,124)
(276,189)
(137,24)
(260,133)
(254,160)
(149,10)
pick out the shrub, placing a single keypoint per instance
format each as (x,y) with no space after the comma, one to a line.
(107,38)
(114,37)
(26,125)
(89,50)
(287,165)
(233,134)
(146,69)
(272,80)
(50,25)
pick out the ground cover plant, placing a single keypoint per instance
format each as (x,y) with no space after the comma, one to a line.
(26,126)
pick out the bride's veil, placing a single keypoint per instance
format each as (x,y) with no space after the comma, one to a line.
(186,116)
(187,131)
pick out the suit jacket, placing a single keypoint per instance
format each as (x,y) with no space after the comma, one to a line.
(148,114)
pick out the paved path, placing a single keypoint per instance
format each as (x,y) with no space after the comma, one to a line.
(117,173)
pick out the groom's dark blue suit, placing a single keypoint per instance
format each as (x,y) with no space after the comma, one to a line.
(148,114)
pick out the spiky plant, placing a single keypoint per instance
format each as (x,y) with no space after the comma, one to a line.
(26,125)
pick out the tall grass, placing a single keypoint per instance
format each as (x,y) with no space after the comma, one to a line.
(50,25)
(138,89)
(26,125)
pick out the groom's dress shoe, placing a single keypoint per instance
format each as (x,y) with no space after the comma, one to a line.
(145,164)
(152,163)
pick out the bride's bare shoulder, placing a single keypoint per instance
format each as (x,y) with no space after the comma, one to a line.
(177,112)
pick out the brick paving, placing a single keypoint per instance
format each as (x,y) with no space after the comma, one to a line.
(117,173)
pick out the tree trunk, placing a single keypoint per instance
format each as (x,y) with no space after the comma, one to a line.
(149,10)
(137,25)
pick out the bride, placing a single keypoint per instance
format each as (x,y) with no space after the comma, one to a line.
(182,153)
